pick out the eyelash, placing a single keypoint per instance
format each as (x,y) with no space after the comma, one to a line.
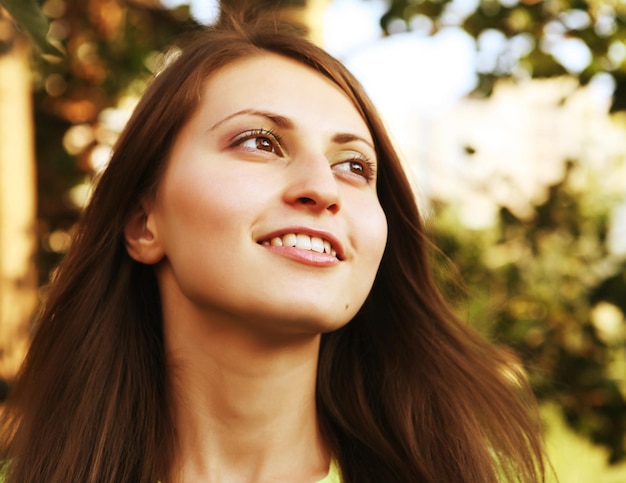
(241,138)
(368,166)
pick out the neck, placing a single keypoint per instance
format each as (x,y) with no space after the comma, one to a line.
(244,407)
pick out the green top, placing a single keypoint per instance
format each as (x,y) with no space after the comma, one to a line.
(333,475)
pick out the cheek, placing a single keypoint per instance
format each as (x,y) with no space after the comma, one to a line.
(192,221)
(370,231)
(382,231)
(199,219)
(202,200)
(373,235)
(192,209)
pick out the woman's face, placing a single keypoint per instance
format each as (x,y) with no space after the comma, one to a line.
(267,214)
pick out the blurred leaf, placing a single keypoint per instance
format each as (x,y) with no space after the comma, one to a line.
(600,25)
(31,19)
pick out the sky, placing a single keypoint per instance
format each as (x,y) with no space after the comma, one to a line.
(427,84)
(430,73)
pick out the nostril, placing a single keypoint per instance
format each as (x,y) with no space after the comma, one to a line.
(306,201)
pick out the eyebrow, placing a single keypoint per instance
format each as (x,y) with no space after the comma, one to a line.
(345,138)
(280,121)
(286,123)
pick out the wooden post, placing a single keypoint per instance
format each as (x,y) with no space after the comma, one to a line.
(18,277)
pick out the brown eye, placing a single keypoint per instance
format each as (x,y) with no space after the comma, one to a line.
(259,143)
(357,168)
(353,167)
(362,168)
(258,140)
(264,144)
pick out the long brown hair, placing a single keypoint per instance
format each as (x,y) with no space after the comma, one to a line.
(406,392)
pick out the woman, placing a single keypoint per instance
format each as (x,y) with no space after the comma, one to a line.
(248,298)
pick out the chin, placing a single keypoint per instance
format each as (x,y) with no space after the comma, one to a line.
(316,321)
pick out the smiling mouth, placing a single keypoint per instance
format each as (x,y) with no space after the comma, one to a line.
(303,242)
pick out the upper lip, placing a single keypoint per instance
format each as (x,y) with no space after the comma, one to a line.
(325,235)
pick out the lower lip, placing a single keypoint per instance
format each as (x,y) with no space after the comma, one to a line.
(307,257)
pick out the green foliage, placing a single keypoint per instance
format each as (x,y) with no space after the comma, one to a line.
(530,28)
(546,286)
(109,48)
(30,18)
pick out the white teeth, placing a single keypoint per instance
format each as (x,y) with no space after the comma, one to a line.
(290,240)
(317,244)
(302,241)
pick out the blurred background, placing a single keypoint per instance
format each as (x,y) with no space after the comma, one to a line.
(510,115)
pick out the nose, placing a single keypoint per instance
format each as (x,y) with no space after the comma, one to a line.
(312,184)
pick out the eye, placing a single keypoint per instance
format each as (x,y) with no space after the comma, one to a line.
(357,166)
(258,140)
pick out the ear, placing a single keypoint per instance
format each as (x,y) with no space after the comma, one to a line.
(141,237)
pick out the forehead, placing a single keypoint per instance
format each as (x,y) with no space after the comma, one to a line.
(279,84)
